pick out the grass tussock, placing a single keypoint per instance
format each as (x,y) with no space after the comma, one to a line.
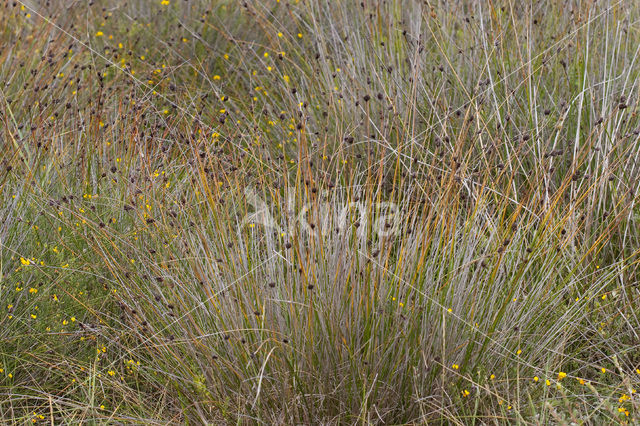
(319,212)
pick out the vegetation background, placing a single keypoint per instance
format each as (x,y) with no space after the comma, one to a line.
(139,285)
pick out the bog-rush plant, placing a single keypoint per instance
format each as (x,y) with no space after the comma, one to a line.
(319,212)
